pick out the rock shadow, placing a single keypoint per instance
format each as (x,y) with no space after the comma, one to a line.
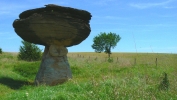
(13,84)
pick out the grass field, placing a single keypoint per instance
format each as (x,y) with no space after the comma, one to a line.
(127,76)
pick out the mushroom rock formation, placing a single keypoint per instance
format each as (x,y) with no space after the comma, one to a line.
(55,27)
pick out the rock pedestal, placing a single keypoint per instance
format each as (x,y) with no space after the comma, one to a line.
(54,68)
(55,27)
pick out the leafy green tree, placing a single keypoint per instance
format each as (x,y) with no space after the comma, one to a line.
(0,51)
(105,41)
(29,52)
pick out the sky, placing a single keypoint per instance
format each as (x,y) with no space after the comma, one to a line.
(143,25)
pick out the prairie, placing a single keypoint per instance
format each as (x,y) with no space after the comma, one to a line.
(126,76)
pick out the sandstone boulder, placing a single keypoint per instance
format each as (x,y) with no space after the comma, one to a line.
(53,25)
(56,28)
(55,68)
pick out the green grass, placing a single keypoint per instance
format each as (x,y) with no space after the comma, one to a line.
(94,78)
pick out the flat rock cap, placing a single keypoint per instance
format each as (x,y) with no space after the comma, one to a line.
(85,15)
(53,24)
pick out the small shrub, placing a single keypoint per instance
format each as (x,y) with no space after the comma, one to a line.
(110,60)
(0,51)
(95,58)
(29,52)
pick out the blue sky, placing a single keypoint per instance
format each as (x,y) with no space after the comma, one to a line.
(143,25)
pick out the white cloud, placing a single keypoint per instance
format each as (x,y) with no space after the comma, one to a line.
(169,7)
(148,5)
(167,16)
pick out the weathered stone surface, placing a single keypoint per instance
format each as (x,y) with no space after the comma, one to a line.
(54,68)
(53,25)
(56,28)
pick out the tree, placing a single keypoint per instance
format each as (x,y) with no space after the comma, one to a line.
(29,52)
(104,42)
(0,51)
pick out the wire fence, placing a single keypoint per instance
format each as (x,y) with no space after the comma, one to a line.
(119,59)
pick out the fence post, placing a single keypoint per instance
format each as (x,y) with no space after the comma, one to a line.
(135,61)
(156,62)
(117,59)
